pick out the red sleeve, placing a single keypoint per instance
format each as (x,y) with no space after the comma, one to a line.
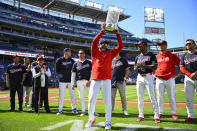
(94,47)
(182,68)
(117,49)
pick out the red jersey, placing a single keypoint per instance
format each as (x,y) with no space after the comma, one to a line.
(166,65)
(102,61)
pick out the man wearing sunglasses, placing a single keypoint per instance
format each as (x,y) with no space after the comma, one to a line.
(145,63)
(189,67)
(165,78)
(101,75)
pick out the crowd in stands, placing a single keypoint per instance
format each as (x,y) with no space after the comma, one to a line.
(54,23)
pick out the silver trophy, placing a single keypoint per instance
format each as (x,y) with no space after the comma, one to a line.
(112,18)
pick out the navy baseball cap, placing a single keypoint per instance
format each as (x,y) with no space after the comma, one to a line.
(163,42)
(66,49)
(142,43)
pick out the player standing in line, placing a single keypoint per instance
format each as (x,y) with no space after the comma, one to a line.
(120,72)
(165,78)
(101,76)
(145,63)
(27,84)
(189,67)
(63,68)
(80,79)
(15,76)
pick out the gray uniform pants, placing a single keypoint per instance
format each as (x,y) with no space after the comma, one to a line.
(121,88)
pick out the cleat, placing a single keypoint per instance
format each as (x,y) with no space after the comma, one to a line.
(90,123)
(175,117)
(140,119)
(160,115)
(189,120)
(108,126)
(59,113)
(96,114)
(157,121)
(125,113)
(83,114)
(75,111)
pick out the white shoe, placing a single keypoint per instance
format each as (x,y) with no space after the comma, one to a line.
(90,123)
(125,113)
(59,113)
(83,114)
(108,126)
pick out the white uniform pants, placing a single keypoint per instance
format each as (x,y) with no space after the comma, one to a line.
(170,87)
(142,83)
(62,89)
(190,86)
(81,86)
(26,89)
(95,87)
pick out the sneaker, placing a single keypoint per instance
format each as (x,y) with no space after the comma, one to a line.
(157,120)
(12,110)
(140,119)
(189,120)
(174,116)
(96,114)
(90,123)
(28,105)
(40,108)
(59,113)
(83,114)
(31,109)
(75,111)
(125,113)
(108,126)
(160,115)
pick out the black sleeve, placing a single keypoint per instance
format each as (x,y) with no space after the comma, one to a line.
(153,59)
(90,65)
(8,70)
(126,64)
(24,69)
(136,58)
(74,68)
(182,60)
(57,66)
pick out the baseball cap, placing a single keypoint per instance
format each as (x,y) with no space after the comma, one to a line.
(66,49)
(40,58)
(163,42)
(142,43)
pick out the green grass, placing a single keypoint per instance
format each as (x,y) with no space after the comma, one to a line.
(131,94)
(28,121)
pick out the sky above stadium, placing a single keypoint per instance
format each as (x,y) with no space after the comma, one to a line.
(180,16)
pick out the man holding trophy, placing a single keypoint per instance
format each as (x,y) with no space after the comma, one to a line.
(101,75)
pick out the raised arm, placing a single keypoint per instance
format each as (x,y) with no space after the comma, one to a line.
(118,48)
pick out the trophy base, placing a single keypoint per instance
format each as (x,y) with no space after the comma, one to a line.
(110,29)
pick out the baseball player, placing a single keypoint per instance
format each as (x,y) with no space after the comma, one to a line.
(27,84)
(189,67)
(15,76)
(120,72)
(80,79)
(63,68)
(101,76)
(165,78)
(145,63)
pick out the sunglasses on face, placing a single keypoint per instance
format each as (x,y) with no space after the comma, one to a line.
(188,44)
(81,53)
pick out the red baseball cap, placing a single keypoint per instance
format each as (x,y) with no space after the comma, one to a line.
(40,58)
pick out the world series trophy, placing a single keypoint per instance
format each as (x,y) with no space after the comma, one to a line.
(112,18)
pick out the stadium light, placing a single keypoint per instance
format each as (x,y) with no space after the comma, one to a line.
(154,14)
(94,5)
